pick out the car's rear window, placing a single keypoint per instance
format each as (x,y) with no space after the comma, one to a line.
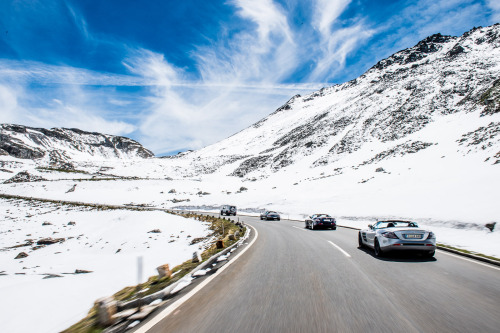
(397,224)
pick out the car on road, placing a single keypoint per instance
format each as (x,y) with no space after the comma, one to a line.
(321,221)
(397,235)
(228,210)
(270,215)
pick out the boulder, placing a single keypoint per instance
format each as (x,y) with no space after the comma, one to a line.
(106,309)
(491,226)
(164,271)
(49,241)
(72,189)
(21,255)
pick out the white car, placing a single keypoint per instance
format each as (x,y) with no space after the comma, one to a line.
(396,235)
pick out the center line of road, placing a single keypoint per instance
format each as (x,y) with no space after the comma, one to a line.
(340,249)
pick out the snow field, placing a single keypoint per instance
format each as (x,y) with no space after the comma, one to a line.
(107,243)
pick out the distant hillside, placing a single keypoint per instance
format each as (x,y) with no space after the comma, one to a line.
(61,145)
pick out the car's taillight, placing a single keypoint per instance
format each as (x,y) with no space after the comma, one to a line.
(389,234)
(431,235)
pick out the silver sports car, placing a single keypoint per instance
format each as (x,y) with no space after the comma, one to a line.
(395,235)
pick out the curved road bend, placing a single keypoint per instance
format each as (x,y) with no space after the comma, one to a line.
(295,280)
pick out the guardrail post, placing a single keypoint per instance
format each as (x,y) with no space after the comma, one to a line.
(106,308)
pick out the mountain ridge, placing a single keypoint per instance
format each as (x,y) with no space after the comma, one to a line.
(396,98)
(33,143)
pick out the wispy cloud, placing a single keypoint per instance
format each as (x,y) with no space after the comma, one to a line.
(494,6)
(263,54)
(74,107)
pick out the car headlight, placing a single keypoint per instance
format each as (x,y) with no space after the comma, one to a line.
(389,234)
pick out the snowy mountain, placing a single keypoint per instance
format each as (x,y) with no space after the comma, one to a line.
(61,145)
(387,112)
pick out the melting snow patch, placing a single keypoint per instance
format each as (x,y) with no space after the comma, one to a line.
(134,324)
(155,302)
(186,281)
(201,272)
(222,258)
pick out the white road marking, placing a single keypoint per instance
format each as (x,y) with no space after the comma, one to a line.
(299,228)
(340,249)
(471,260)
(155,320)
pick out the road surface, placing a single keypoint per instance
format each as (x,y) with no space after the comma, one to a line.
(297,280)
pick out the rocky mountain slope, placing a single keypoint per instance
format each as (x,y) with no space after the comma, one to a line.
(442,94)
(60,146)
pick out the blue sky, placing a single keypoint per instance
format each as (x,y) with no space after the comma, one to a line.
(179,75)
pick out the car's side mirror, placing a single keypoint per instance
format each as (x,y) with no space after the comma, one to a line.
(370,226)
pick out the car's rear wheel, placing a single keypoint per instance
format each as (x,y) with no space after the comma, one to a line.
(334,228)
(378,251)
(360,241)
(429,254)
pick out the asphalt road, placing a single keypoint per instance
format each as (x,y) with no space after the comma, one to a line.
(297,280)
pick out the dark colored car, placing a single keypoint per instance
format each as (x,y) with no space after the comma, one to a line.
(228,210)
(269,215)
(321,221)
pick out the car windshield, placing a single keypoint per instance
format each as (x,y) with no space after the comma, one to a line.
(320,216)
(395,224)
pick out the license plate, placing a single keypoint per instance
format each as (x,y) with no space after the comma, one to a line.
(414,236)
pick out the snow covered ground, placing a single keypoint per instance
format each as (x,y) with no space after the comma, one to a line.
(107,243)
(455,197)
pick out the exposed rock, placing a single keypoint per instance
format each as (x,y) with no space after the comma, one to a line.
(154,231)
(164,271)
(71,223)
(46,223)
(22,177)
(60,143)
(491,99)
(202,193)
(21,255)
(197,240)
(106,309)
(49,241)
(51,276)
(60,160)
(172,191)
(82,271)
(491,226)
(72,189)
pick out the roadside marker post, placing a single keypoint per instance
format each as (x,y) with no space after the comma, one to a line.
(139,279)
